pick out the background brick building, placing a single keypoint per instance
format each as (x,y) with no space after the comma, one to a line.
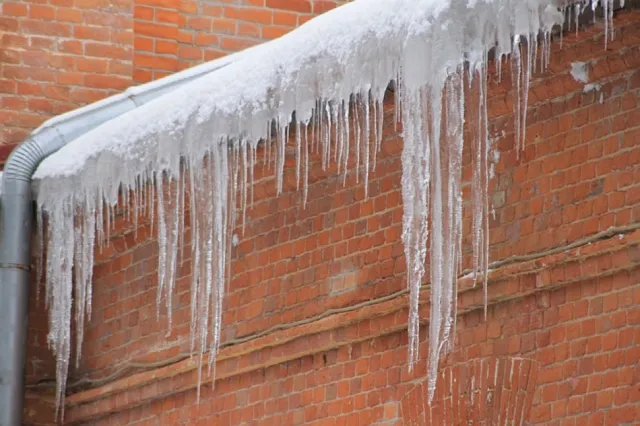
(315,318)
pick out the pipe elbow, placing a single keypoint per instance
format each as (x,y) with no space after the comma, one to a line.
(24,160)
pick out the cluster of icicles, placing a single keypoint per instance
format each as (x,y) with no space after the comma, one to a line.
(215,185)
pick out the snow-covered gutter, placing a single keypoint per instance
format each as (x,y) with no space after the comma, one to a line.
(336,65)
(16,216)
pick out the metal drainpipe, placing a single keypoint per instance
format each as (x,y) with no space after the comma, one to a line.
(16,218)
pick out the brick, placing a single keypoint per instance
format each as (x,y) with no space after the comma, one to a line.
(300,6)
(272,32)
(260,16)
(212,10)
(170,4)
(42,12)
(190,53)
(190,7)
(87,95)
(206,39)
(14,9)
(106,82)
(143,13)
(45,28)
(285,19)
(91,33)
(199,23)
(235,44)
(68,15)
(108,20)
(155,62)
(166,16)
(144,44)
(107,51)
(156,30)
(142,76)
(92,65)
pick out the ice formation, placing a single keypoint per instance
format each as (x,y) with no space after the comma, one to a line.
(591,87)
(579,72)
(323,84)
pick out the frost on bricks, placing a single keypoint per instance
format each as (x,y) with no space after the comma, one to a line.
(331,76)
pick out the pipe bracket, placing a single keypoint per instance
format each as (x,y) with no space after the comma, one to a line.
(15,266)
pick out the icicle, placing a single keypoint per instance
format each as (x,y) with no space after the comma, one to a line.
(397,102)
(172,245)
(80,290)
(327,134)
(181,205)
(335,115)
(480,182)
(314,119)
(136,206)
(564,16)
(41,252)
(547,36)
(485,192)
(109,213)
(357,121)
(280,144)
(366,142)
(194,202)
(60,252)
(267,141)
(162,242)
(251,171)
(516,76)
(379,127)
(245,178)
(235,170)
(153,183)
(439,285)
(305,177)
(340,135)
(347,127)
(376,146)
(416,159)
(607,7)
(531,46)
(453,214)
(298,150)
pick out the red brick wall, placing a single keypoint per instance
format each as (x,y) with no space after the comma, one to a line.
(315,310)
(171,35)
(584,337)
(56,56)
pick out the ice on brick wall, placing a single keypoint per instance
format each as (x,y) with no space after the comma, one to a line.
(322,85)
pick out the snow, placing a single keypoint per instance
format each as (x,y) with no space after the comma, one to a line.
(579,72)
(333,73)
(138,94)
(591,87)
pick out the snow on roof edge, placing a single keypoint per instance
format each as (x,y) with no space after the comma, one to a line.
(165,84)
(334,37)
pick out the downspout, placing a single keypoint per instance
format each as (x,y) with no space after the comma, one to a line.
(16,217)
